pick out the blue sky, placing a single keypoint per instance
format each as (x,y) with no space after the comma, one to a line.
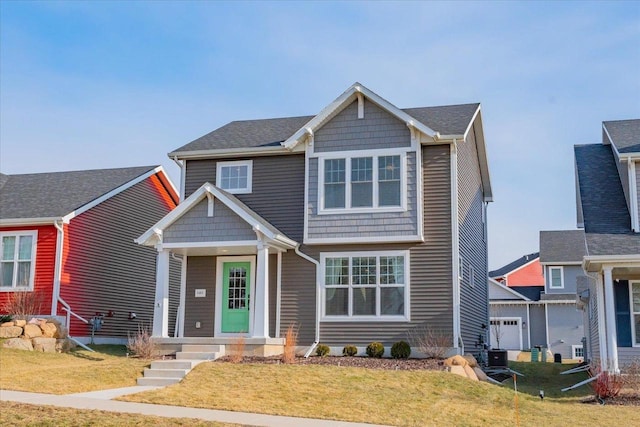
(110,84)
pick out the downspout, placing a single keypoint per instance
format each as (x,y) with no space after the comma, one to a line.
(57,275)
(317,264)
(455,246)
(183,169)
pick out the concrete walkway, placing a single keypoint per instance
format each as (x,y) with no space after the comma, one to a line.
(101,400)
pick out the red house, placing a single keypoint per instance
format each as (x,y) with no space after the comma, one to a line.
(68,238)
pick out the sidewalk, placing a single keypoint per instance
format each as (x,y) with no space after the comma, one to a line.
(101,400)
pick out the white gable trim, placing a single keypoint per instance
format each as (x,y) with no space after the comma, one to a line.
(208,190)
(116,191)
(508,289)
(346,98)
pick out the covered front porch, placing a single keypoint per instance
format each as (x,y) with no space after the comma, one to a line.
(231,269)
(617,296)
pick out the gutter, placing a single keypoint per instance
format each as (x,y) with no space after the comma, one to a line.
(317,264)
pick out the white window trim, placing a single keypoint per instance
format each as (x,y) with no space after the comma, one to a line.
(347,156)
(518,320)
(561,277)
(634,343)
(248,188)
(32,272)
(377,318)
(573,351)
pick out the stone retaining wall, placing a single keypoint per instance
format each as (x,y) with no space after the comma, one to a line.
(47,335)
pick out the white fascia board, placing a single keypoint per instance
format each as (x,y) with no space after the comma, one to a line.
(540,302)
(26,222)
(341,102)
(216,244)
(561,263)
(598,262)
(228,152)
(113,192)
(483,159)
(378,239)
(508,289)
(606,132)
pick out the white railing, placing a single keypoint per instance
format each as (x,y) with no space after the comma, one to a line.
(70,313)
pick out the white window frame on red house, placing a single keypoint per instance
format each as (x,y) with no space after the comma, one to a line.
(15,259)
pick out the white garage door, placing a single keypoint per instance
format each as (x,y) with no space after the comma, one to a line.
(509,331)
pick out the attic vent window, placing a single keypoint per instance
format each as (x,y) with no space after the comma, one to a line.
(235,177)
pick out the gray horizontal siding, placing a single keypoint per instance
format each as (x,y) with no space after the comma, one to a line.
(430,266)
(201,274)
(474,300)
(627,355)
(277,189)
(354,225)
(565,328)
(378,129)
(104,270)
(196,226)
(538,317)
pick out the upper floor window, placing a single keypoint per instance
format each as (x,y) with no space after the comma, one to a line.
(17,260)
(365,285)
(362,183)
(235,177)
(555,278)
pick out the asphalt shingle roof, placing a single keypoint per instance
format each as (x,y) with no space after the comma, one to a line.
(562,246)
(514,265)
(448,120)
(607,223)
(56,194)
(531,292)
(625,135)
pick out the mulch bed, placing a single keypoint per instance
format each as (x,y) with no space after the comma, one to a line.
(357,362)
(623,399)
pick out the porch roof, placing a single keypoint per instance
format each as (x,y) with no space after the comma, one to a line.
(154,235)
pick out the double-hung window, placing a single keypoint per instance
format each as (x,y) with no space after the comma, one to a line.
(235,177)
(635,312)
(367,285)
(362,183)
(555,278)
(17,260)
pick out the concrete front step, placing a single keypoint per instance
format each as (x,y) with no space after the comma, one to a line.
(165,373)
(174,364)
(158,381)
(202,348)
(189,355)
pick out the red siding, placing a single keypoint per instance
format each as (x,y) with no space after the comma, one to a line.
(527,275)
(45,265)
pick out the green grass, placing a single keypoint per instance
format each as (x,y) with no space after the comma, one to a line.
(404,398)
(64,373)
(19,414)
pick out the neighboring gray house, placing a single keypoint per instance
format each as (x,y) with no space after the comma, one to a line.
(608,197)
(561,254)
(526,315)
(358,224)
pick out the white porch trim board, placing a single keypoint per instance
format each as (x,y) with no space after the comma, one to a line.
(610,321)
(161,307)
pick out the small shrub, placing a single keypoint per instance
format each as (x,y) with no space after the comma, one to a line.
(631,375)
(236,350)
(22,305)
(322,350)
(290,343)
(349,350)
(400,350)
(141,344)
(433,343)
(5,318)
(607,385)
(375,349)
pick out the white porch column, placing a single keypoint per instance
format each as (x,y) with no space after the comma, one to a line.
(610,313)
(602,331)
(161,306)
(261,315)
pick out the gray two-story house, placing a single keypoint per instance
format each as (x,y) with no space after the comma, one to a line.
(358,224)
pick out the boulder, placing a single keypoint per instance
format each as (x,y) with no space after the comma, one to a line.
(47,345)
(7,324)
(480,374)
(18,344)
(49,330)
(458,370)
(10,332)
(20,322)
(470,373)
(32,331)
(471,360)
(456,361)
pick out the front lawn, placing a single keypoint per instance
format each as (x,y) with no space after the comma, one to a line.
(64,373)
(404,398)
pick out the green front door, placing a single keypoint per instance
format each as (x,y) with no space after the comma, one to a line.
(235,296)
